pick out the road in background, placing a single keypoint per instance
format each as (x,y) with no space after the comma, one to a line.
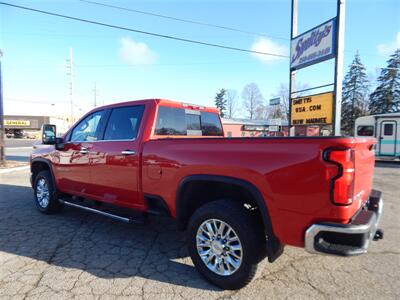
(81,255)
(18,143)
(19,149)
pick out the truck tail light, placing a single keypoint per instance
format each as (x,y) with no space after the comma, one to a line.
(342,184)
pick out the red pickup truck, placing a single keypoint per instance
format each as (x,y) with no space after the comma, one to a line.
(240,199)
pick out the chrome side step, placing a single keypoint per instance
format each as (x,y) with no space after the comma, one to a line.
(96,211)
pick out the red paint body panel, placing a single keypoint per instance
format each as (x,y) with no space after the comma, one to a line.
(115,177)
(290,173)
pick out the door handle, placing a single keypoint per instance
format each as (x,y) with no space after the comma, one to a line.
(128,152)
(84,151)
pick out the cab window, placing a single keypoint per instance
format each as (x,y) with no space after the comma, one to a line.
(178,121)
(211,124)
(124,123)
(170,121)
(88,130)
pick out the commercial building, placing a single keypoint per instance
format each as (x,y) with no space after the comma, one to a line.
(29,126)
(253,128)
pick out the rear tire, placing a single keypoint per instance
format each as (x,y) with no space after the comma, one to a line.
(227,260)
(45,193)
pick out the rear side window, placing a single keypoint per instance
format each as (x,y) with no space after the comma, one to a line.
(170,121)
(178,121)
(365,130)
(124,123)
(210,124)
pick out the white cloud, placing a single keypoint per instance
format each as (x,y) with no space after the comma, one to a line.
(389,48)
(266,45)
(135,53)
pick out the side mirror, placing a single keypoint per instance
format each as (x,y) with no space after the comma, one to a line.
(49,134)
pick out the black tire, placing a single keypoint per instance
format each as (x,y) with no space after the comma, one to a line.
(249,231)
(52,205)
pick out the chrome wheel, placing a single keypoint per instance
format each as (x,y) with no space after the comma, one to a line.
(42,193)
(219,247)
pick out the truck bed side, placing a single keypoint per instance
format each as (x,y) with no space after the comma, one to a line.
(290,173)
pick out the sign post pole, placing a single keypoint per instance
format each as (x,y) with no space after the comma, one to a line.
(292,76)
(337,104)
(2,141)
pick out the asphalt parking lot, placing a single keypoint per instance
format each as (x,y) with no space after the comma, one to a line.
(76,254)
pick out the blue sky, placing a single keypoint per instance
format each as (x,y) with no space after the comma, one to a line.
(129,66)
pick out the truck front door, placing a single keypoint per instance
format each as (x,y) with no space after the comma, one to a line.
(72,165)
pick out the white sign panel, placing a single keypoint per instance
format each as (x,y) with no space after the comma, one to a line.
(313,46)
(275,101)
(275,122)
(273,128)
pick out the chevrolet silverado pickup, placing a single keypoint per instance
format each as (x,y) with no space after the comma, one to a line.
(240,200)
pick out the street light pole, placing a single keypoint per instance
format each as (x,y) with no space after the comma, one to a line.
(2,141)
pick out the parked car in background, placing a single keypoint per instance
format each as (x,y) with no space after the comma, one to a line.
(14,133)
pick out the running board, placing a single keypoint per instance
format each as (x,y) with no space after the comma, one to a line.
(100,212)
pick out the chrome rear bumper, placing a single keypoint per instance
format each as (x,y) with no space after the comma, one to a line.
(347,239)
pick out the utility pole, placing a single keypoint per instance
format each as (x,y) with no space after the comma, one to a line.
(95,94)
(2,141)
(70,73)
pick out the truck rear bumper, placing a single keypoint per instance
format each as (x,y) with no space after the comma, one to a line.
(347,239)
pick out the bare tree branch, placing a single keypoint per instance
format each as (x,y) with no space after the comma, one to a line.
(252,99)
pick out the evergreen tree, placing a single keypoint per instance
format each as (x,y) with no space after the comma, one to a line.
(220,102)
(386,97)
(354,95)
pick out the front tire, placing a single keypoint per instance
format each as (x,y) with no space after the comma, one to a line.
(225,242)
(44,193)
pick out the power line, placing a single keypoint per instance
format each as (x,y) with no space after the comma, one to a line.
(142,32)
(61,35)
(158,65)
(183,20)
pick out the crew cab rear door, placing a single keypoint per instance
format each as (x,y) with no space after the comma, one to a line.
(115,159)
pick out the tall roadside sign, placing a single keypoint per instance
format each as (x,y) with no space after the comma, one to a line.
(2,141)
(323,42)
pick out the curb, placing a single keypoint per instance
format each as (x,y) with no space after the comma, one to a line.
(4,171)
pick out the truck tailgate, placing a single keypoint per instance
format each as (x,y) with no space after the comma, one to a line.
(364,168)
